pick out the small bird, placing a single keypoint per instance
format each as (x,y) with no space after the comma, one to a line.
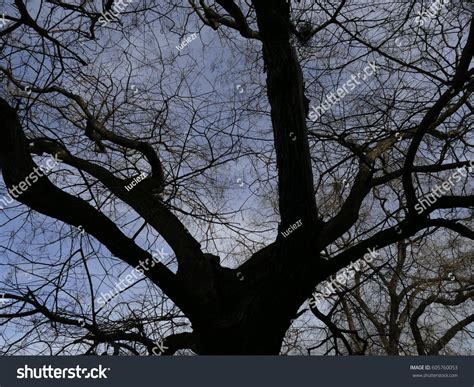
(305,32)
(93,134)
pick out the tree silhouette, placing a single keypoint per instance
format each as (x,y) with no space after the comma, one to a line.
(318,191)
(416,302)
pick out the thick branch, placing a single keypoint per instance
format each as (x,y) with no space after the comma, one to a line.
(44,197)
(288,112)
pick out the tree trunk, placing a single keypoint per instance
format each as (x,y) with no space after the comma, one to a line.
(255,313)
(253,310)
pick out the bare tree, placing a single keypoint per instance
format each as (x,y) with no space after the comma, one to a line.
(150,134)
(416,302)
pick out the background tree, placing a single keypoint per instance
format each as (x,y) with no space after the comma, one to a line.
(415,299)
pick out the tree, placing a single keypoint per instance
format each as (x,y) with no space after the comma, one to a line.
(343,162)
(416,302)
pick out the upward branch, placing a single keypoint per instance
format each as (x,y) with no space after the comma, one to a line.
(288,112)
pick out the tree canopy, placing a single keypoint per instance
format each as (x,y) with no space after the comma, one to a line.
(181,177)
